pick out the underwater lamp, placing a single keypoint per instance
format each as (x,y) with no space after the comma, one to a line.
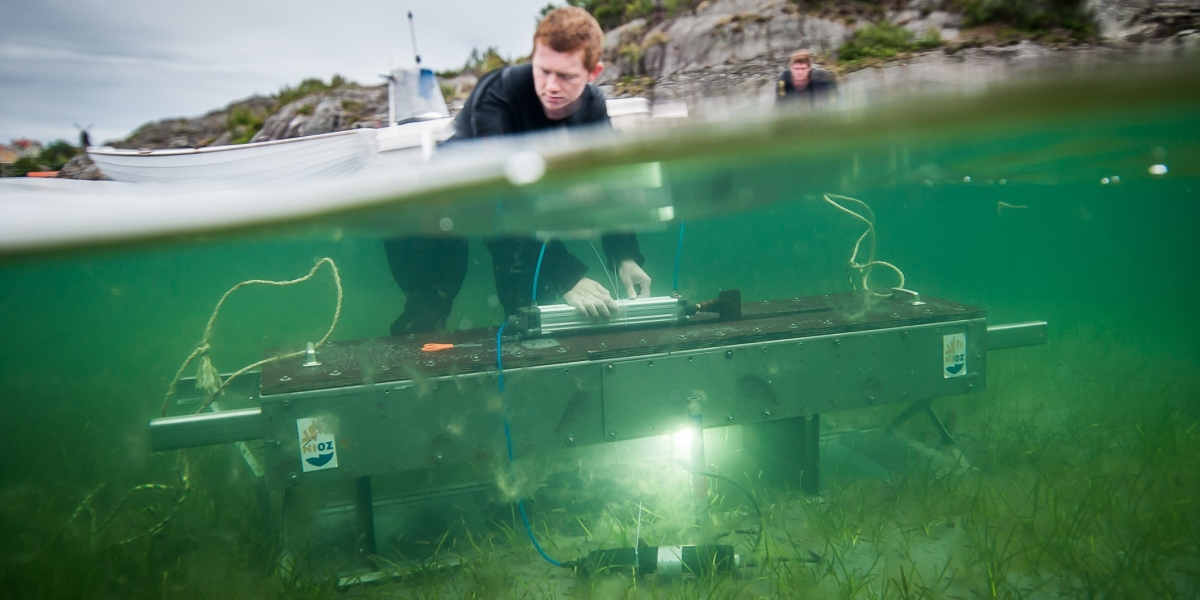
(554,319)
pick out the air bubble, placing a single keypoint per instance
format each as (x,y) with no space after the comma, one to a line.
(524,168)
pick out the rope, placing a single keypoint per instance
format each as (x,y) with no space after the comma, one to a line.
(86,505)
(864,269)
(208,379)
(202,349)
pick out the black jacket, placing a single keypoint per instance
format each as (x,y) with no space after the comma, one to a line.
(821,84)
(506,102)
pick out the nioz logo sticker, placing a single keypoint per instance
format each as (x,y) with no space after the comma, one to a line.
(318,449)
(954,355)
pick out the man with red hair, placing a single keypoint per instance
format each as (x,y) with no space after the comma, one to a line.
(553,90)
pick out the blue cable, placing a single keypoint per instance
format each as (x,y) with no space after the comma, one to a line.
(536,272)
(678,254)
(500,376)
(508,430)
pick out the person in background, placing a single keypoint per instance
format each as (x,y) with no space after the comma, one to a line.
(553,90)
(803,84)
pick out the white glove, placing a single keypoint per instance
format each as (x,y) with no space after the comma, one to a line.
(637,282)
(591,299)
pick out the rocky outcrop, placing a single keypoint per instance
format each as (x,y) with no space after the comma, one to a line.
(728,32)
(729,52)
(81,167)
(194,132)
(1144,19)
(338,109)
(972,70)
(730,47)
(260,118)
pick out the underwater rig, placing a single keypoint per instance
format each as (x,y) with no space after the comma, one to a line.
(366,440)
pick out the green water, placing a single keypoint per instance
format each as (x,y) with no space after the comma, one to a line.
(1084,450)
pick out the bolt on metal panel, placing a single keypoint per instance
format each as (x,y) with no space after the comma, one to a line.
(649,396)
(388,429)
(551,408)
(853,370)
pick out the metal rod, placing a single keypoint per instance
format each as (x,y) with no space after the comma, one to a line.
(412,29)
(937,423)
(810,477)
(173,433)
(1016,335)
(365,511)
(907,414)
(699,463)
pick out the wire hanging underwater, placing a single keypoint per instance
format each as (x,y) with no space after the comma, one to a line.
(604,265)
(209,380)
(864,269)
(508,432)
(536,271)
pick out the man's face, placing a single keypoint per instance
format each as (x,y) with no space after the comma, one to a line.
(560,78)
(800,72)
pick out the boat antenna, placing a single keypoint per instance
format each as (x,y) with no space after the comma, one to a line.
(412,29)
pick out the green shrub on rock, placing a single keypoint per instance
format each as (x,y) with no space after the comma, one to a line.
(881,40)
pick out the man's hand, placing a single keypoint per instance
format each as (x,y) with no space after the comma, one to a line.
(591,299)
(637,282)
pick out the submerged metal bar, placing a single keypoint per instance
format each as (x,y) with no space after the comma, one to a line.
(937,424)
(188,431)
(364,508)
(810,476)
(1016,335)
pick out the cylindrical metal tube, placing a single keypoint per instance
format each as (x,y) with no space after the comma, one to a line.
(699,464)
(561,318)
(661,560)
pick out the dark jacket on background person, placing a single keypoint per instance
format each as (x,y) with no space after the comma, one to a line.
(821,85)
(430,270)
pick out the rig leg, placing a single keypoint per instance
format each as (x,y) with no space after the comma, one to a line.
(941,427)
(365,512)
(907,414)
(810,474)
(923,406)
(787,448)
(266,511)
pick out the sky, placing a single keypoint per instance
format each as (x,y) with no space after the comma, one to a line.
(116,64)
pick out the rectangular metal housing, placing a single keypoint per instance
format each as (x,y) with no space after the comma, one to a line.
(620,386)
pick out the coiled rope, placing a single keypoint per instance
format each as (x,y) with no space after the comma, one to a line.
(864,268)
(208,379)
